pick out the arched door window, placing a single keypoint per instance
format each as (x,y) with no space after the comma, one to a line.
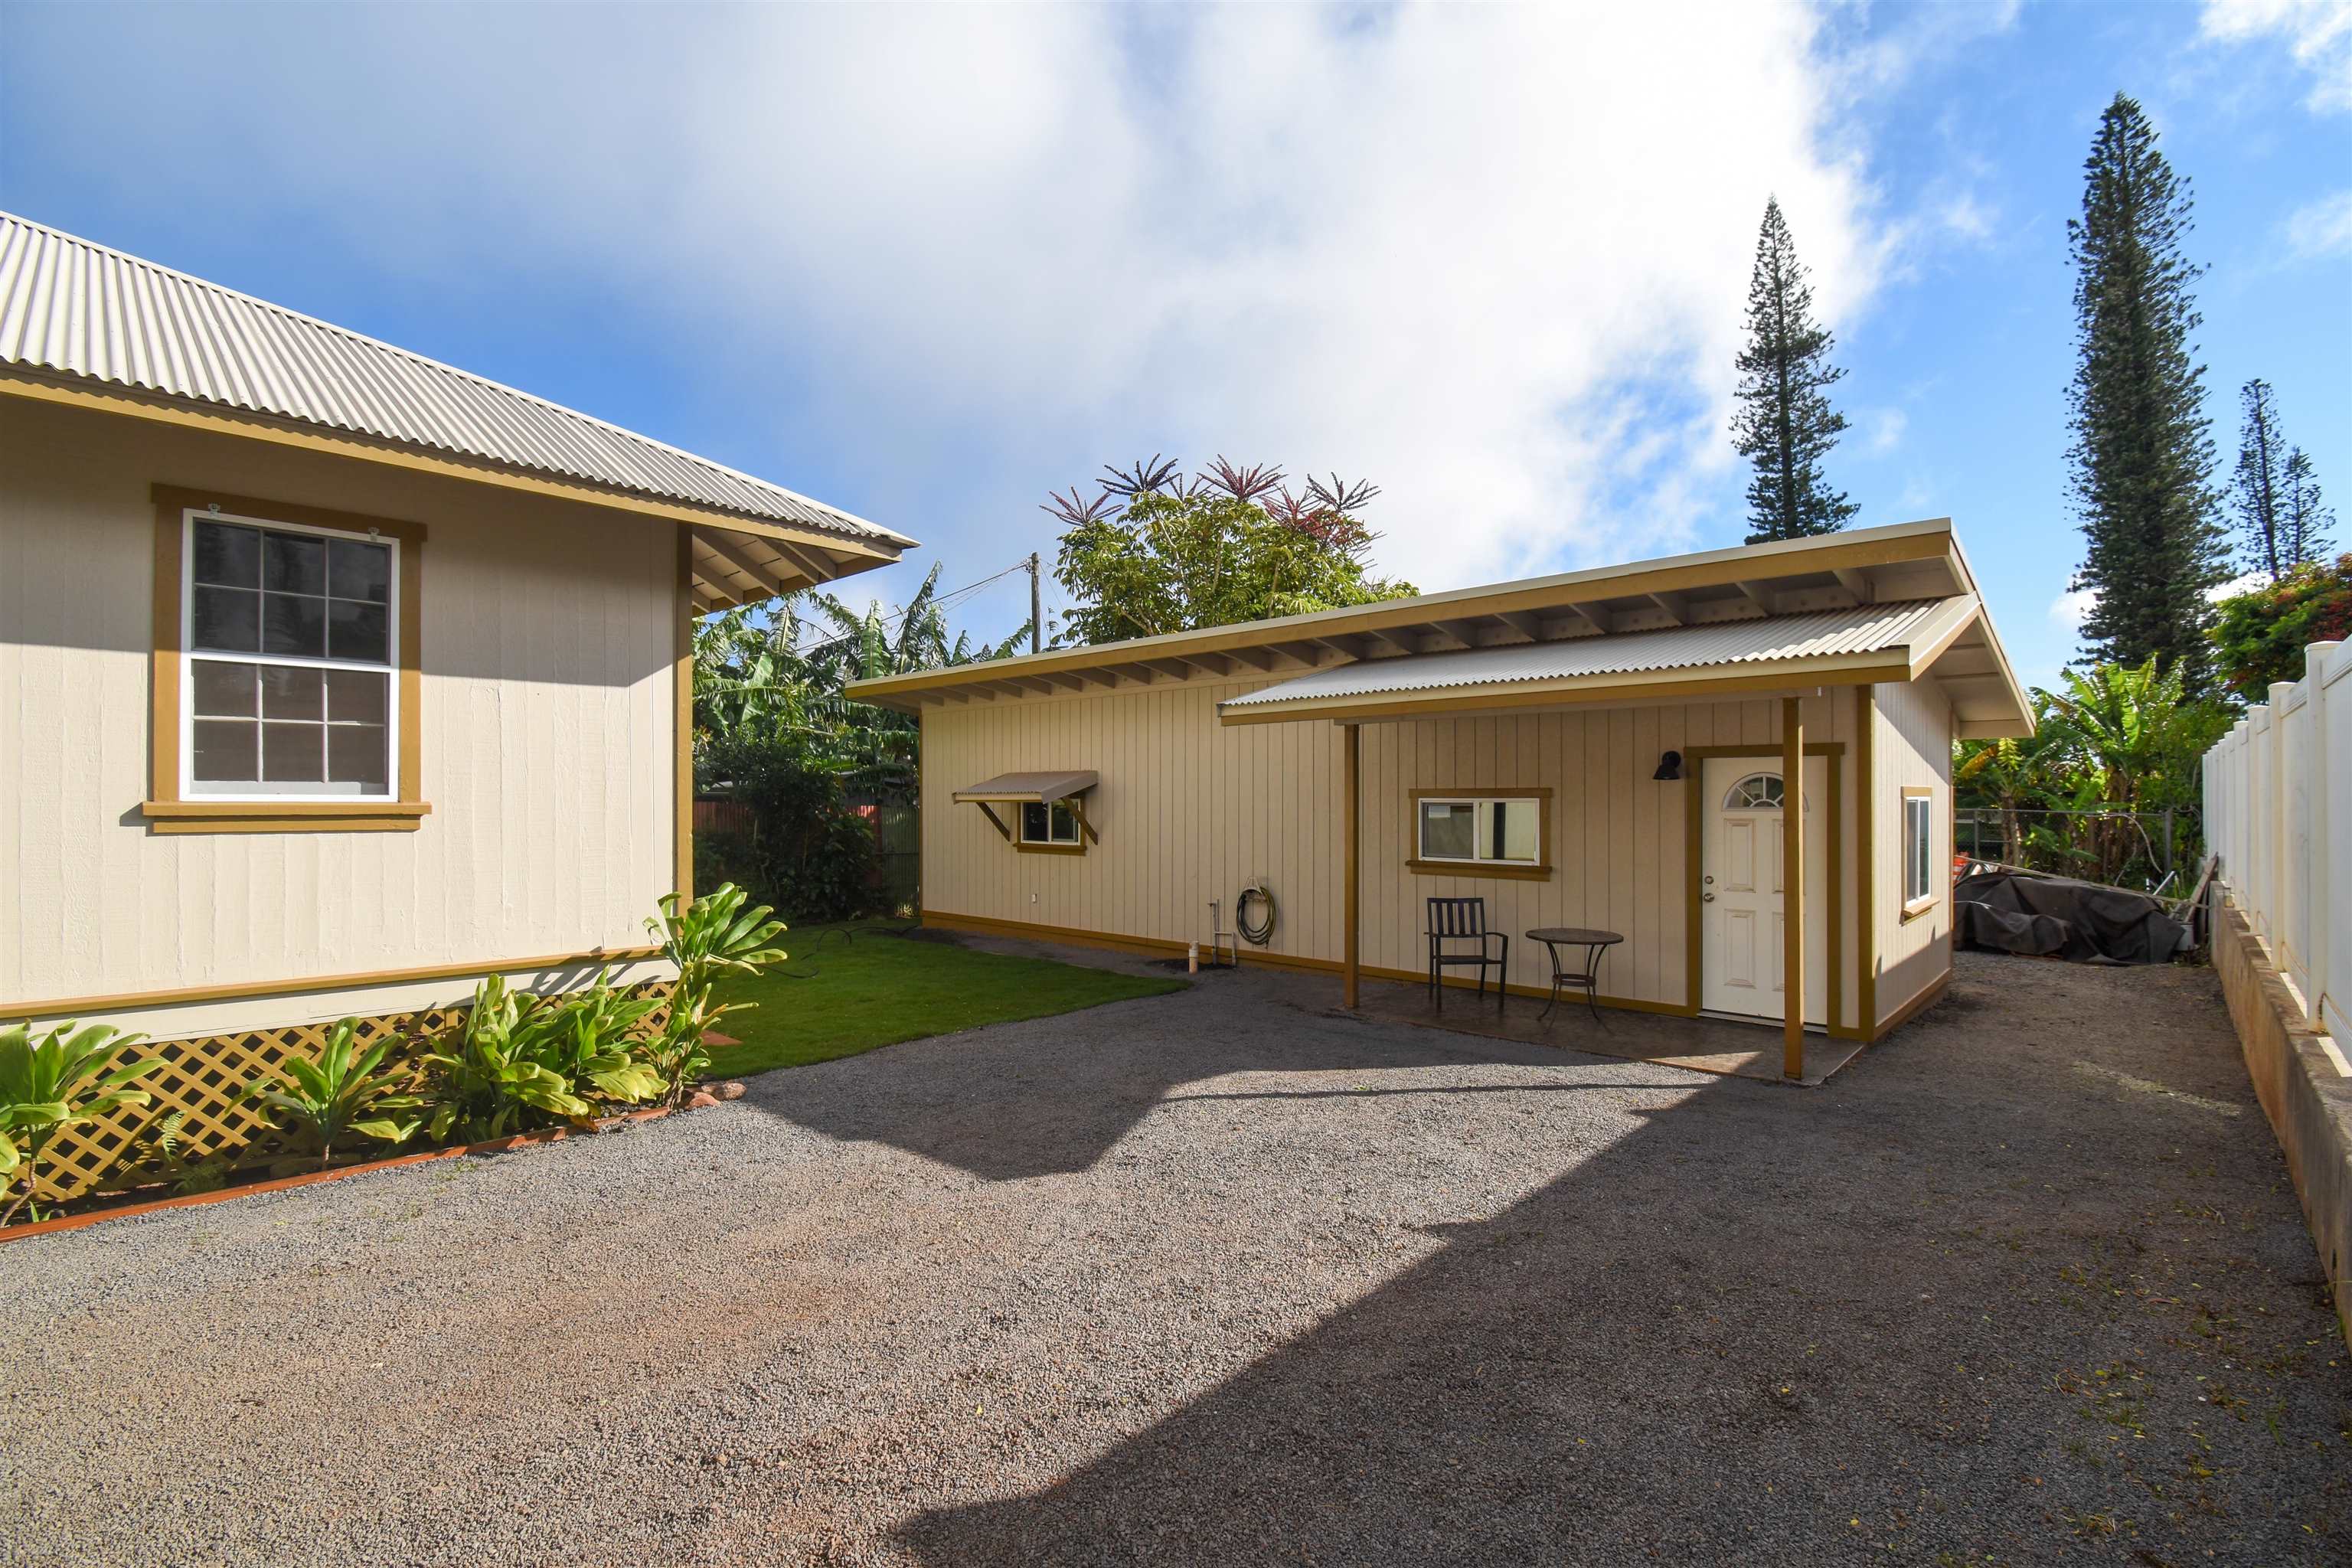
(1757,792)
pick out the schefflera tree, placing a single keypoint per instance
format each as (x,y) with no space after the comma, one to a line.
(1157,551)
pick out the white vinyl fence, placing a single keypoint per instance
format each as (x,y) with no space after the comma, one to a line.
(2278,811)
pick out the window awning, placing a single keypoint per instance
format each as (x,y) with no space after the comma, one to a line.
(1028,789)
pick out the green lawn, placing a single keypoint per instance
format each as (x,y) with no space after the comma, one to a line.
(849,989)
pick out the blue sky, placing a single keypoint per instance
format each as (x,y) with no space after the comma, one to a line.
(927,264)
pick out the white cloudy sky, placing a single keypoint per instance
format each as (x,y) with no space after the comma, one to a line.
(926,263)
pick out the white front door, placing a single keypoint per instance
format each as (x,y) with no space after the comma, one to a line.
(1740,906)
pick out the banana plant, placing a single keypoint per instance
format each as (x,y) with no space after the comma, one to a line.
(487,1075)
(341,1094)
(62,1078)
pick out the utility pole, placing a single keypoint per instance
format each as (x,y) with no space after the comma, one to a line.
(1037,614)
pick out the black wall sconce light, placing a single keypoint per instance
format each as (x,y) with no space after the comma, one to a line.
(1670,767)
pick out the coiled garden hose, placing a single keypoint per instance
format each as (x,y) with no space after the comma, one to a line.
(1260,933)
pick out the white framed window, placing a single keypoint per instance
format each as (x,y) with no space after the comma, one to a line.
(1480,830)
(1757,792)
(289,656)
(1050,823)
(1919,848)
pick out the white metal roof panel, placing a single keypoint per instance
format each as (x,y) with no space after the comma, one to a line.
(1866,628)
(72,308)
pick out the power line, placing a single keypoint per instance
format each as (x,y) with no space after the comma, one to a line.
(940,603)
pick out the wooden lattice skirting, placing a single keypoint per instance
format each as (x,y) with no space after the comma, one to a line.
(203,1081)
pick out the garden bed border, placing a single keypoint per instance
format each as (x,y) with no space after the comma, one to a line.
(307,1178)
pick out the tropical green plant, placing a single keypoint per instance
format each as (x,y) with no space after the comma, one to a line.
(803,842)
(346,1092)
(2114,750)
(775,736)
(2259,636)
(53,1082)
(1191,556)
(486,1077)
(517,1061)
(712,936)
(590,1039)
(161,1154)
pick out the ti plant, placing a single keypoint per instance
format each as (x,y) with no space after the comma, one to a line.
(50,1083)
(712,936)
(341,1094)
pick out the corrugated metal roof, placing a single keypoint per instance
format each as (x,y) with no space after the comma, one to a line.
(1867,628)
(73,307)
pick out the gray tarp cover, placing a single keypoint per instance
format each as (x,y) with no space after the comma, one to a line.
(2057,917)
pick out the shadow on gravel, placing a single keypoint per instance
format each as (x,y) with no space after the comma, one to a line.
(1010,1110)
(1762,1327)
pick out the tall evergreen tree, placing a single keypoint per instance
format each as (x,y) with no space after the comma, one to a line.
(2308,521)
(2259,486)
(2143,452)
(1784,423)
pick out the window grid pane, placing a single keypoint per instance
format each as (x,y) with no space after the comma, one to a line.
(260,727)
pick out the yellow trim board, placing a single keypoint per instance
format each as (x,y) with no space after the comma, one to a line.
(127,1001)
(1913,1008)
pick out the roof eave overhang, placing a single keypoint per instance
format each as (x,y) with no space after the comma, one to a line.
(1896,545)
(794,557)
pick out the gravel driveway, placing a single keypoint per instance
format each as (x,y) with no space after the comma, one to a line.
(1220,1277)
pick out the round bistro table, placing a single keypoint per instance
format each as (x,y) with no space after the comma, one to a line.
(1596,945)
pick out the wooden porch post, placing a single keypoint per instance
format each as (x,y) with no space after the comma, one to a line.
(1793,885)
(1351,780)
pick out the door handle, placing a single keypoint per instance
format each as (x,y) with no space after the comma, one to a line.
(1707,898)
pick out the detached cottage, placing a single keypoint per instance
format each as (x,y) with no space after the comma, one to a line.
(1607,749)
(333,678)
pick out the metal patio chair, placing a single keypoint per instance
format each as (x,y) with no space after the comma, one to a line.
(1462,920)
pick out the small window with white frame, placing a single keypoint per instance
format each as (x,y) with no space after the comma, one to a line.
(1504,832)
(289,646)
(1919,848)
(1050,823)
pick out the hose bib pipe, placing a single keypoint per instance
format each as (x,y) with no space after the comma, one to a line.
(1255,897)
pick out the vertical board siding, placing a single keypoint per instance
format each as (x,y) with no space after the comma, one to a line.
(1190,810)
(1912,748)
(546,748)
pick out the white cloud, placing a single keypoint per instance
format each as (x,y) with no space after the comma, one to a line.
(1468,252)
(2069,609)
(1883,428)
(2322,229)
(2319,33)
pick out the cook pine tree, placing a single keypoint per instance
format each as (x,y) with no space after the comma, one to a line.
(2142,455)
(2281,523)
(1784,423)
